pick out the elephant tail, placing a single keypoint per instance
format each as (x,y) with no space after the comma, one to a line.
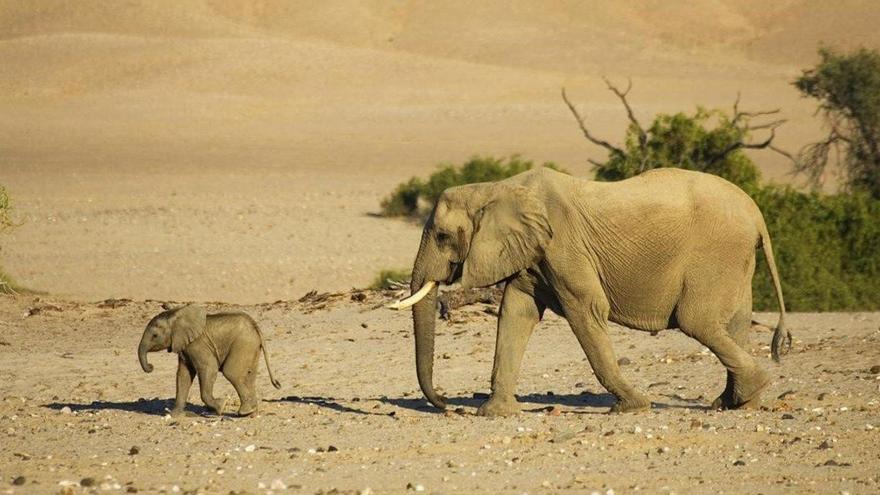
(781,342)
(275,383)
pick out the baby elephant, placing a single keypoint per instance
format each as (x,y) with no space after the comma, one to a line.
(228,342)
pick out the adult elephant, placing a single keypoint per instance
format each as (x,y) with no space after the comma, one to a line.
(669,248)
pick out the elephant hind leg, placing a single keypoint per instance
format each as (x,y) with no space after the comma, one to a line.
(241,371)
(745,379)
(739,328)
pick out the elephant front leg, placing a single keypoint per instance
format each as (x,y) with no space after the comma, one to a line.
(520,312)
(589,322)
(185,374)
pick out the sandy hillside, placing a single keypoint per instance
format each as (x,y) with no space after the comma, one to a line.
(232,150)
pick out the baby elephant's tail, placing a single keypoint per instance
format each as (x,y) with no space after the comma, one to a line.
(275,383)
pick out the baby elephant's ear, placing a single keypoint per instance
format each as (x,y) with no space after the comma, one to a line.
(187,324)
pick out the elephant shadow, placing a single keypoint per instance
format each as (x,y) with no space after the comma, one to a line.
(325,402)
(153,407)
(582,402)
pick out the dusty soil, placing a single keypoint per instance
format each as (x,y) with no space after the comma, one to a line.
(350,416)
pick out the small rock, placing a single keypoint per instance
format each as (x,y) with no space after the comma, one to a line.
(562,437)
(332,448)
(637,429)
(553,411)
(131,489)
(66,410)
(822,396)
(696,424)
(87,482)
(875,369)
(787,394)
(134,450)
(580,385)
(20,480)
(250,448)
(623,361)
(739,462)
(787,416)
(825,445)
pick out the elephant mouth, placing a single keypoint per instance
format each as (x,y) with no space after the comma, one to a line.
(455,273)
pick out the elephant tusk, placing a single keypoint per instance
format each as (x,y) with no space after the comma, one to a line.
(416,297)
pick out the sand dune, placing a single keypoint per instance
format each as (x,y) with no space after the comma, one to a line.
(103,104)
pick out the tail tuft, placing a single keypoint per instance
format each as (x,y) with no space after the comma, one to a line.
(781,343)
(276,384)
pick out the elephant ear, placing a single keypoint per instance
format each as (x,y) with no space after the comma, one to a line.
(510,233)
(187,324)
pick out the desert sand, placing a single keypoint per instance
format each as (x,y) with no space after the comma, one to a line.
(235,153)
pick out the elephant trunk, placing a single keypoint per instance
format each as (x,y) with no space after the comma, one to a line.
(142,357)
(424,319)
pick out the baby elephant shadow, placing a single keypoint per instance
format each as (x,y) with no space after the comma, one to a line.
(154,407)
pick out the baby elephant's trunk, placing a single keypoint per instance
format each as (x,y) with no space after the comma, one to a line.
(142,357)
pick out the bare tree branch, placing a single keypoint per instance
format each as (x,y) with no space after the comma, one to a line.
(580,120)
(643,136)
(742,120)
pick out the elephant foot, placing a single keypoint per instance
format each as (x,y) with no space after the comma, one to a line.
(744,392)
(177,412)
(499,407)
(219,406)
(636,403)
(247,409)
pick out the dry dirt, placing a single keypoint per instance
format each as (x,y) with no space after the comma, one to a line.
(235,151)
(350,416)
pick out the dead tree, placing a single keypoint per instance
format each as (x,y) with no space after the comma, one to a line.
(741,120)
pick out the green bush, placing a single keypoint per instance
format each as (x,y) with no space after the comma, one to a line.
(6,221)
(847,86)
(7,284)
(827,247)
(686,142)
(405,199)
(386,278)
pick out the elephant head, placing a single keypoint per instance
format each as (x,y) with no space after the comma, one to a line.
(172,330)
(480,234)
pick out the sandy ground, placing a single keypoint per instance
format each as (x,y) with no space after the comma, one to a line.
(350,416)
(236,151)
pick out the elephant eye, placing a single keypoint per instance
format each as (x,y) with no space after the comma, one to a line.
(442,237)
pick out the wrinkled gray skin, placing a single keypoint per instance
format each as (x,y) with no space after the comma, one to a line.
(206,344)
(667,249)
